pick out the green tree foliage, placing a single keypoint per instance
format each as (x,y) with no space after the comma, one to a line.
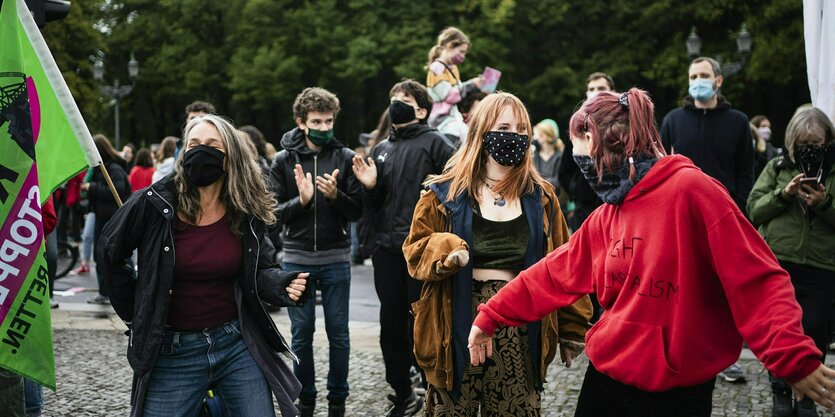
(252,57)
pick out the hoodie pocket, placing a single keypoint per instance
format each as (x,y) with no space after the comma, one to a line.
(632,353)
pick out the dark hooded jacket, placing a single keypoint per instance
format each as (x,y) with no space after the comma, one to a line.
(102,202)
(404,160)
(322,224)
(142,299)
(717,140)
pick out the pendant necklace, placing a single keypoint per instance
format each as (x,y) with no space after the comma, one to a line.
(497,201)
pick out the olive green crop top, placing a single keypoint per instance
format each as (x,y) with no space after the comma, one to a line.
(500,245)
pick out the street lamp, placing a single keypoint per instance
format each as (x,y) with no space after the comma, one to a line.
(743,48)
(116,91)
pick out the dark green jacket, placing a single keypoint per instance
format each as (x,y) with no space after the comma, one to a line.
(793,236)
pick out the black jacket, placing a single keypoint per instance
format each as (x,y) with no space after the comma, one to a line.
(102,202)
(717,140)
(145,223)
(574,183)
(404,160)
(322,224)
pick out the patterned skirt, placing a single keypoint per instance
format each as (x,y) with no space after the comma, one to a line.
(503,385)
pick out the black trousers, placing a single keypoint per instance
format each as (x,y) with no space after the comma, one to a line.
(815,291)
(396,291)
(603,396)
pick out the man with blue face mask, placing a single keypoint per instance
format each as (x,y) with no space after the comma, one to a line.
(710,132)
(717,138)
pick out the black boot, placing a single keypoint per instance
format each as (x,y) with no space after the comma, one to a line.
(306,408)
(782,396)
(806,408)
(336,408)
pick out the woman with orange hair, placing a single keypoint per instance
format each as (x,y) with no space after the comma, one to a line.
(488,216)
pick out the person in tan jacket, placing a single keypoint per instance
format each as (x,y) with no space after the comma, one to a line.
(487,217)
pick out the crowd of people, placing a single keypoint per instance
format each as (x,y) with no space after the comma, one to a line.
(497,246)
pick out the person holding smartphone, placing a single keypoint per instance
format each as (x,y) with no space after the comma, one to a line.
(791,205)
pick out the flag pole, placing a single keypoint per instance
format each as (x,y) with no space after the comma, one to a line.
(110,184)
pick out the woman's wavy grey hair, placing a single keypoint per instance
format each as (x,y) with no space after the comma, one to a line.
(245,191)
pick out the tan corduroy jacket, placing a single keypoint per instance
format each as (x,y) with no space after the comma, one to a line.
(429,242)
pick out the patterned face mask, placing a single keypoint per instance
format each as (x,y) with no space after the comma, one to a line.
(507,148)
(809,159)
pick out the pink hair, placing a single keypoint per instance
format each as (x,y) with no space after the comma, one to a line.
(618,132)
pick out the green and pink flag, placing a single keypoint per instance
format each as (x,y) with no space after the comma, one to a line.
(43,142)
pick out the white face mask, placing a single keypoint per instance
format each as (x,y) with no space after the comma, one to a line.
(591,94)
(765,133)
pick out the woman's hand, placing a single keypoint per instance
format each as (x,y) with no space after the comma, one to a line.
(455,260)
(793,186)
(480,346)
(818,386)
(366,173)
(569,350)
(478,81)
(813,194)
(304,183)
(296,288)
(85,186)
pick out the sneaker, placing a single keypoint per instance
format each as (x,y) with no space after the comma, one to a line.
(84,269)
(100,300)
(806,408)
(53,304)
(733,374)
(306,408)
(407,408)
(336,408)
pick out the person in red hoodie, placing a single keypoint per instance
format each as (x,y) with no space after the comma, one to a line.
(141,174)
(671,258)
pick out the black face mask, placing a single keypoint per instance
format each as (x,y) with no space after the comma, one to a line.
(401,112)
(203,165)
(614,186)
(507,148)
(809,159)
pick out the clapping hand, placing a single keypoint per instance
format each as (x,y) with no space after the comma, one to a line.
(304,182)
(327,184)
(366,172)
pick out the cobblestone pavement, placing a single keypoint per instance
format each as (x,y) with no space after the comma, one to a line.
(94,378)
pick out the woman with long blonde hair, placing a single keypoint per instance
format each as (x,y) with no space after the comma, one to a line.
(488,216)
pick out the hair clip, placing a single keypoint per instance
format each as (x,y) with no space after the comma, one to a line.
(624,100)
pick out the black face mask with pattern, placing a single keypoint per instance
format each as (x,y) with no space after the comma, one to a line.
(809,159)
(507,148)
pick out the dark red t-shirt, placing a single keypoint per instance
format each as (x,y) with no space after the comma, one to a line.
(207,263)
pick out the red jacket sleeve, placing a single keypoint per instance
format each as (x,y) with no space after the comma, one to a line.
(48,216)
(761,298)
(556,281)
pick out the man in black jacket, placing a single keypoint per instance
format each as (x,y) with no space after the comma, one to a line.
(711,133)
(318,197)
(393,179)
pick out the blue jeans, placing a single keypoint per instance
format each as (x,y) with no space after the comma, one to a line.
(189,363)
(87,237)
(334,280)
(33,396)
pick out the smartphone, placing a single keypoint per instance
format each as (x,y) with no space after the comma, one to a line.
(810,181)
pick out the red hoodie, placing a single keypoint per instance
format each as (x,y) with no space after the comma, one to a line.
(683,278)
